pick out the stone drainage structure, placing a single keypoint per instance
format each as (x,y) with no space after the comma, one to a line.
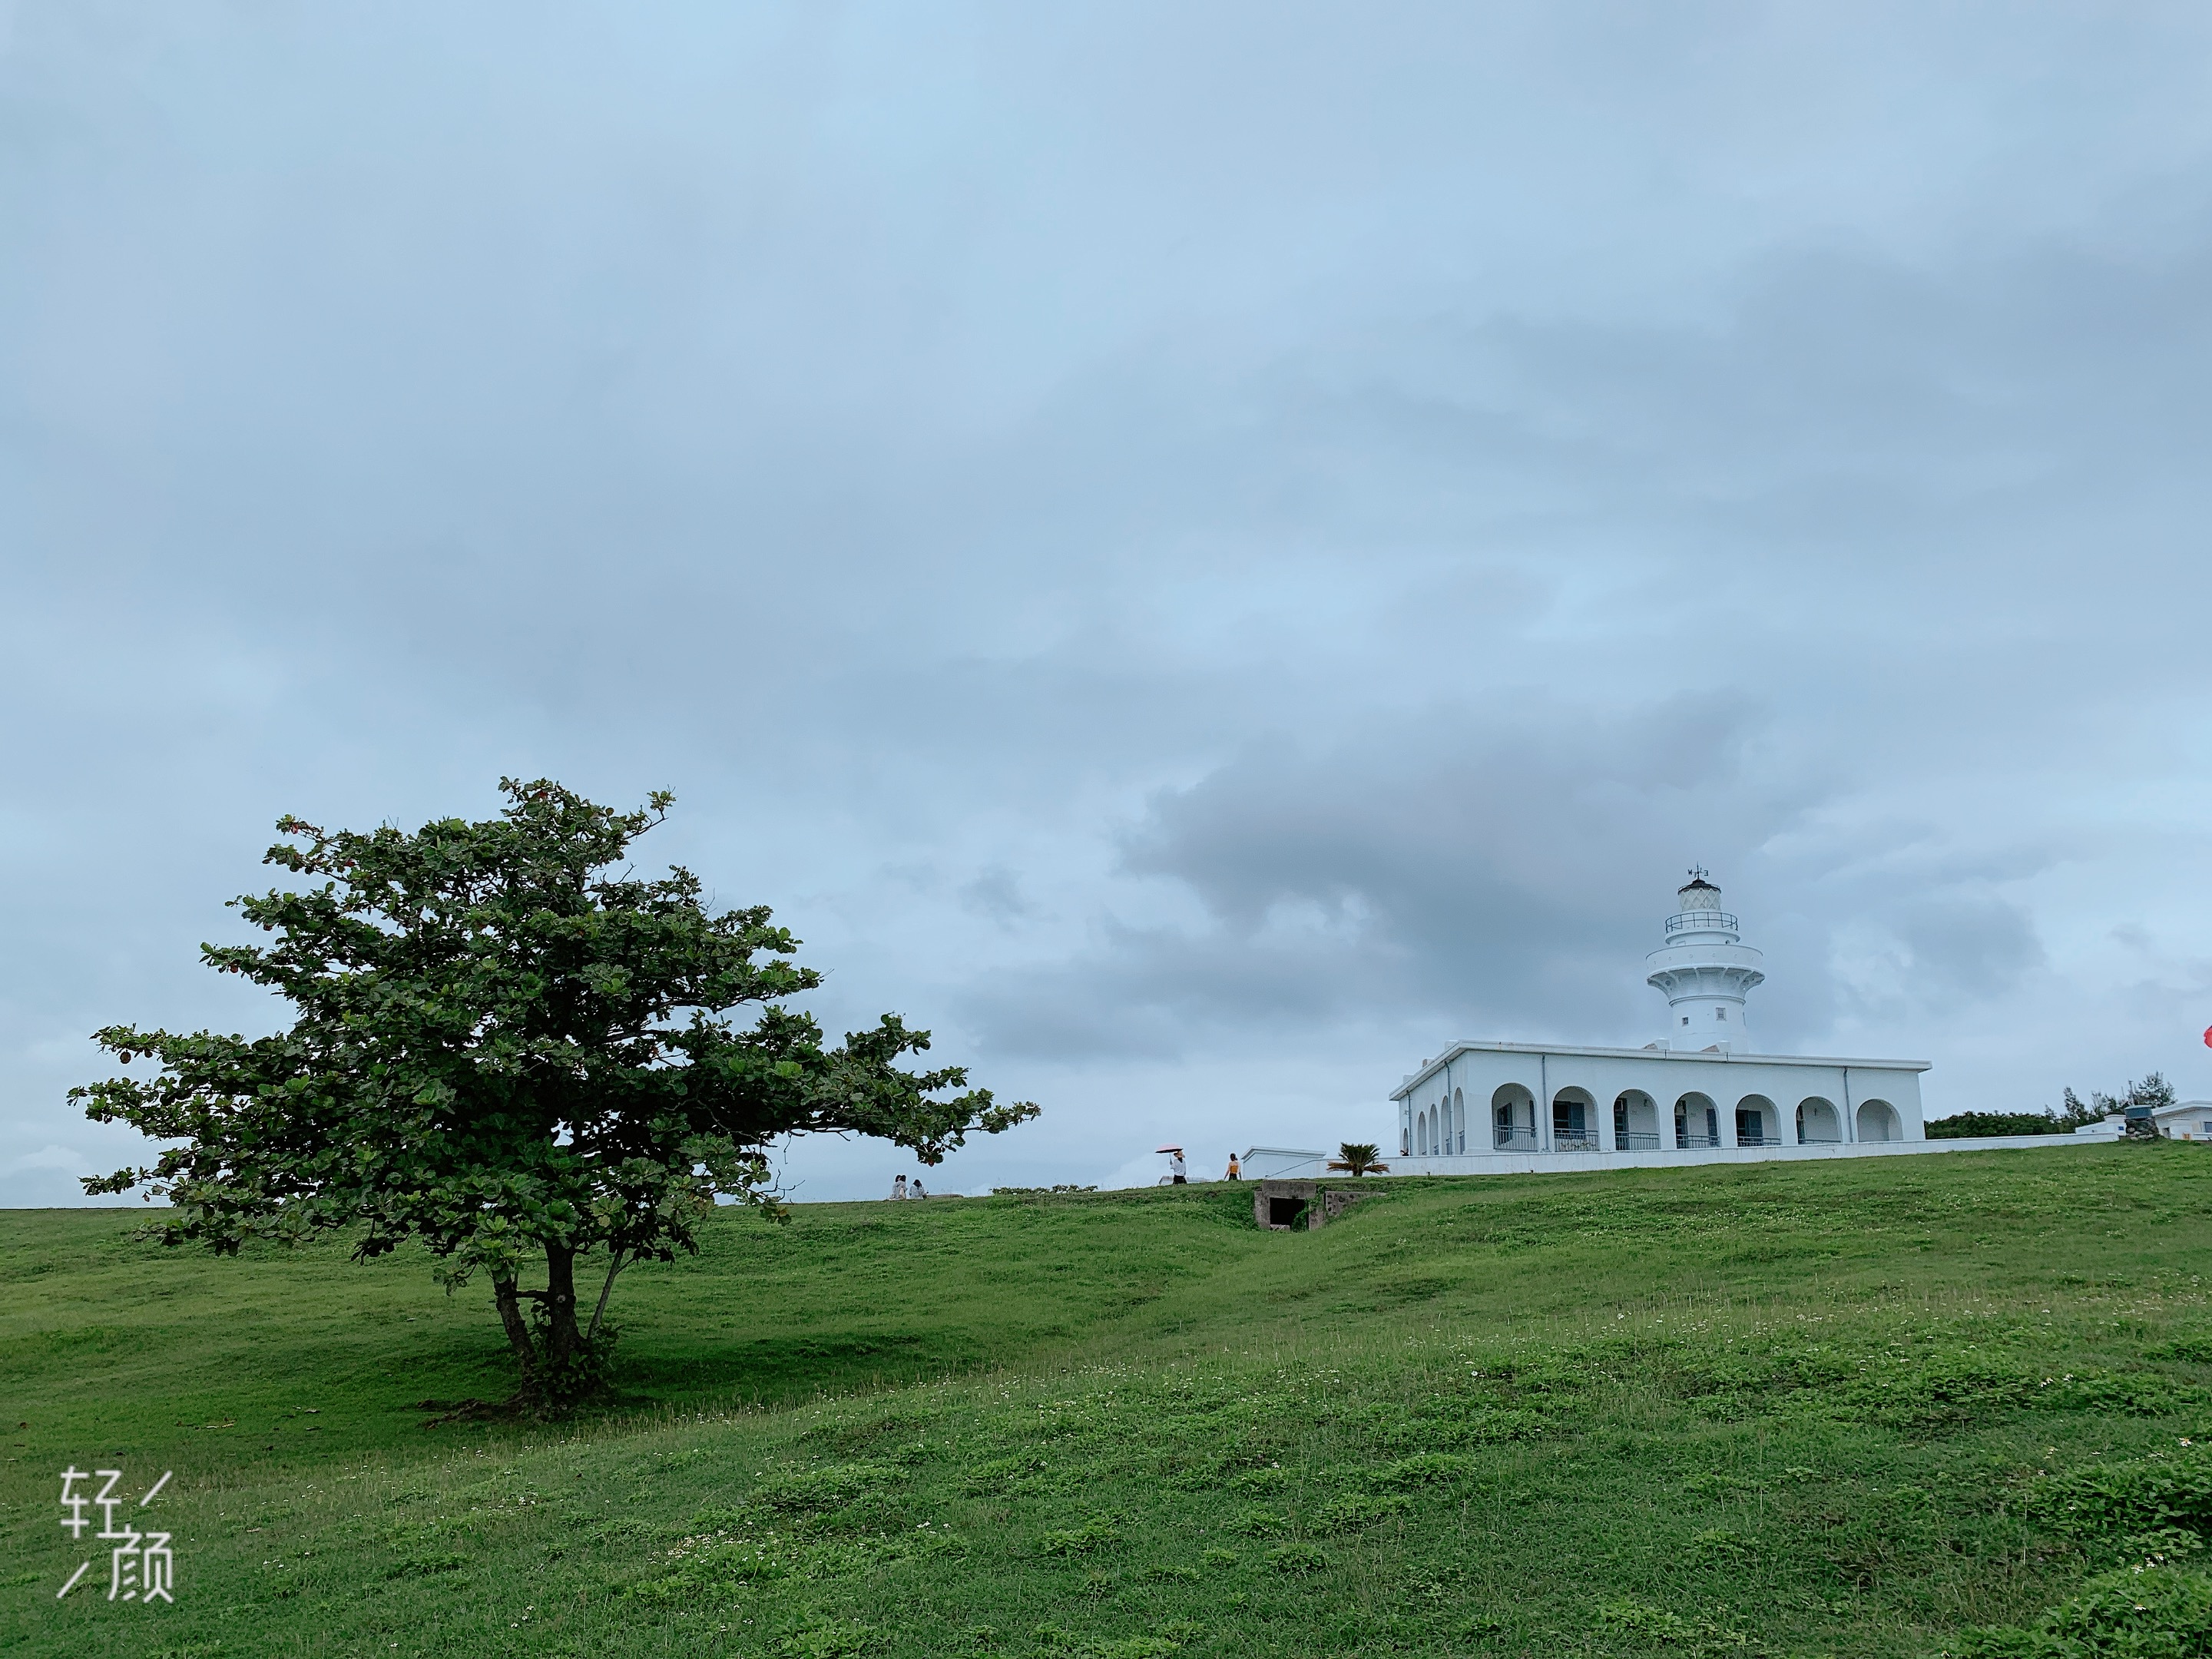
(1281,1206)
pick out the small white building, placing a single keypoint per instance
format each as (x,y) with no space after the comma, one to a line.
(1698,1095)
(1281,1164)
(2185,1120)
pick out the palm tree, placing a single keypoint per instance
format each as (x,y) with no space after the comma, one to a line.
(1359,1159)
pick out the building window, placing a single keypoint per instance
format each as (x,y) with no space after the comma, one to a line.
(1720,1013)
(1686,1019)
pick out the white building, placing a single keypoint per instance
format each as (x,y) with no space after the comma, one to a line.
(1282,1163)
(2185,1120)
(1698,1095)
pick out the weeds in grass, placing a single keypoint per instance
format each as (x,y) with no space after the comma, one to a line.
(1097,1533)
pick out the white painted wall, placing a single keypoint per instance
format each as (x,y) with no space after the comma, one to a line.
(1546,1162)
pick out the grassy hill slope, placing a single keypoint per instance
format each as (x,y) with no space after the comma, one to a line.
(1853,1407)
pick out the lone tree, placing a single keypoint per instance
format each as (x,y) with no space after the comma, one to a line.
(508,1048)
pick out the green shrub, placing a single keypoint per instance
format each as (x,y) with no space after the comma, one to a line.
(1465,1425)
(2138,1394)
(1008,1477)
(2135,1495)
(622,1530)
(1429,1469)
(1359,1508)
(1955,1390)
(1961,1125)
(832,1640)
(2138,1612)
(1256,1522)
(1295,1559)
(815,1491)
(424,1566)
(1633,1618)
(1271,1479)
(1096,1533)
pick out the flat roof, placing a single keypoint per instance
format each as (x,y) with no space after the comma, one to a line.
(1414,1079)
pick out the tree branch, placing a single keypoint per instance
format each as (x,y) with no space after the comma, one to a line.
(613,1267)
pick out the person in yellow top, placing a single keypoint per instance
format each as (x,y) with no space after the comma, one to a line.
(1233,1174)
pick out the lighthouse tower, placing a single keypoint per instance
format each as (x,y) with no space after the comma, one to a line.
(1704,972)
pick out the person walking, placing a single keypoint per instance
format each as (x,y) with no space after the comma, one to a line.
(1176,1168)
(1235,1174)
(898,1186)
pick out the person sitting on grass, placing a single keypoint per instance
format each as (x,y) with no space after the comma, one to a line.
(898,1186)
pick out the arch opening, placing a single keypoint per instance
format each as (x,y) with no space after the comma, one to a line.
(1574,1123)
(1697,1121)
(1877,1121)
(1818,1125)
(1513,1117)
(1756,1122)
(1636,1122)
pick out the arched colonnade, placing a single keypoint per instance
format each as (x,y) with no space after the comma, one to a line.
(1692,1121)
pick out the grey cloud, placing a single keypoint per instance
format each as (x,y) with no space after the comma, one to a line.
(1498,866)
(1970,948)
(995,892)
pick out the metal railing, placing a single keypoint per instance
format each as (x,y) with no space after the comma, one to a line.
(1506,1139)
(1639,1141)
(1820,1140)
(1702,921)
(1755,1138)
(1576,1140)
(1699,1141)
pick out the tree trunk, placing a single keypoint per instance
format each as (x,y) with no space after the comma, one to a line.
(614,1266)
(518,1327)
(562,1337)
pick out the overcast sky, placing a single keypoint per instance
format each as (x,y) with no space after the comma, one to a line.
(1198,552)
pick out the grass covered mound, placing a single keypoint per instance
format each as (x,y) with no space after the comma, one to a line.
(1937,1404)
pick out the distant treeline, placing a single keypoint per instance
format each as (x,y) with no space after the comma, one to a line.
(2153,1091)
(1998,1123)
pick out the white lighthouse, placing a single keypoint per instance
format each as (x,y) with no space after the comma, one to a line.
(1704,971)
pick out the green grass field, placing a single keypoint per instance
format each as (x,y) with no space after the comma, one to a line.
(1851,1407)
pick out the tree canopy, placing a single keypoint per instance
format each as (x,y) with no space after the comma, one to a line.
(509,1045)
